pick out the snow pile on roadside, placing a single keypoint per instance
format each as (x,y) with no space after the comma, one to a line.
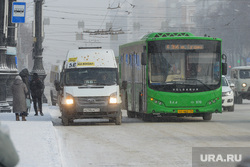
(35,139)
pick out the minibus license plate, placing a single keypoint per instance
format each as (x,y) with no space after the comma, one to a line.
(185,111)
(91,110)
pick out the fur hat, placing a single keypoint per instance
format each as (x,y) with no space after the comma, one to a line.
(18,77)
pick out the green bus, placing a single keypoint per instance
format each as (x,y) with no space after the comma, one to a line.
(172,74)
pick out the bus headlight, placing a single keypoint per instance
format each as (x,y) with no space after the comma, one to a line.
(156,101)
(244,85)
(214,100)
(69,99)
(113,98)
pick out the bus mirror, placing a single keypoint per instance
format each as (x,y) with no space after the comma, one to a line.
(143,59)
(224,57)
(224,68)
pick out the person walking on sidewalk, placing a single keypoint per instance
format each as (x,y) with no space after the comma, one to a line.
(37,88)
(19,91)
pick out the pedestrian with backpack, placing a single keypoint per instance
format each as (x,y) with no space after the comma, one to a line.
(37,88)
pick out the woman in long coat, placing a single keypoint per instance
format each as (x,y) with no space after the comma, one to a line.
(19,91)
(24,74)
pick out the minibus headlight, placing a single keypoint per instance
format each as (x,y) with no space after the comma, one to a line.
(69,99)
(244,85)
(113,98)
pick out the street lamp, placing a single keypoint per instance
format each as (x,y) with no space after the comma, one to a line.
(38,49)
(4,70)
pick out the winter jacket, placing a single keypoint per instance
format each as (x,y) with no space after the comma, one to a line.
(8,153)
(19,91)
(36,87)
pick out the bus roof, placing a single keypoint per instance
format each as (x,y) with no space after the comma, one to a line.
(175,35)
(168,36)
(241,67)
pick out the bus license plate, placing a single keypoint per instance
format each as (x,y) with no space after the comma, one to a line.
(185,111)
(91,110)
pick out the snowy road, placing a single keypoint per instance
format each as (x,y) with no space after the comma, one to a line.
(149,144)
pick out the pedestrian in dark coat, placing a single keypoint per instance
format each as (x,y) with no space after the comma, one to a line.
(19,91)
(37,88)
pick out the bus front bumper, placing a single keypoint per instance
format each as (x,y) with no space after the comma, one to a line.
(184,111)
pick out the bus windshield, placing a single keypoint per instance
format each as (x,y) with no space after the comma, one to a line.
(184,66)
(91,76)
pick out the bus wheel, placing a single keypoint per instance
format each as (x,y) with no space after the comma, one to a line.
(207,117)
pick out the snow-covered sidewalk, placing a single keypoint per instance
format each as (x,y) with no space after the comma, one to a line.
(35,139)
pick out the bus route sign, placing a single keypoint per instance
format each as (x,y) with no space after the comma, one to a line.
(18,12)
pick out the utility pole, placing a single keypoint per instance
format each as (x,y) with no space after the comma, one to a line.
(38,39)
(205,10)
(4,70)
(11,53)
(11,39)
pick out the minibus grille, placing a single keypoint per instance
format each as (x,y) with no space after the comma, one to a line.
(92,101)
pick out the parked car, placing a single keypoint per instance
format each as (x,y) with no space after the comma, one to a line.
(227,95)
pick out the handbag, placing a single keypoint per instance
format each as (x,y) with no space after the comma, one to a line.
(28,103)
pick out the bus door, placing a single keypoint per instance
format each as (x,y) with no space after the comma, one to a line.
(133,66)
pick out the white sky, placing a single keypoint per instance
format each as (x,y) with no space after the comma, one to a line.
(64,15)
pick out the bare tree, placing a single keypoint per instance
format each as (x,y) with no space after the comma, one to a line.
(231,22)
